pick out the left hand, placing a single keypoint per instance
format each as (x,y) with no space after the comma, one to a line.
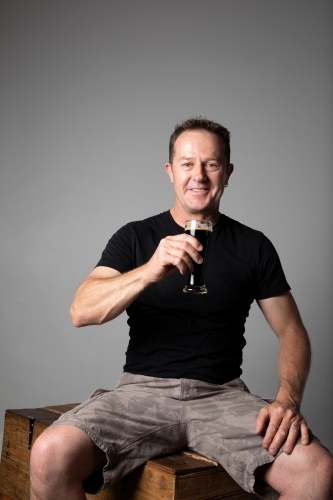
(280,423)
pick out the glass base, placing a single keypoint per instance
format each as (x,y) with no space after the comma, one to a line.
(195,289)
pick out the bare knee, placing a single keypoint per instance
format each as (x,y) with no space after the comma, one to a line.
(326,472)
(48,454)
(60,459)
(64,451)
(318,471)
(306,473)
(316,463)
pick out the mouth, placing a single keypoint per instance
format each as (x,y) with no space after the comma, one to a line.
(198,190)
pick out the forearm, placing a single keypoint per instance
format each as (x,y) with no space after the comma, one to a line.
(293,365)
(283,316)
(281,421)
(98,299)
(106,293)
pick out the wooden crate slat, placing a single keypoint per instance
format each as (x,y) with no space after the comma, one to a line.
(5,497)
(183,462)
(60,409)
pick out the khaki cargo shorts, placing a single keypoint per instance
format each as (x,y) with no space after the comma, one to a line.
(147,417)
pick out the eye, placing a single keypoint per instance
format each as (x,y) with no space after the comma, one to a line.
(187,165)
(211,165)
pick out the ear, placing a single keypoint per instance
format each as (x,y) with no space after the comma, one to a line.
(230,169)
(168,168)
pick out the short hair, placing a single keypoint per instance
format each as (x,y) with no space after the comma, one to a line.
(200,123)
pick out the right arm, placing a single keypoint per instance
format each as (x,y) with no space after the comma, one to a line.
(106,293)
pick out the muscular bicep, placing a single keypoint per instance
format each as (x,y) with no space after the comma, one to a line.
(281,313)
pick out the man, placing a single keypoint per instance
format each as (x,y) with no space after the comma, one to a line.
(181,384)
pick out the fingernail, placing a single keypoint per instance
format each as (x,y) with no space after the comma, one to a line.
(272,451)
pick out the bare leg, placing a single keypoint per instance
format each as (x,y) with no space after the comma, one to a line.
(60,459)
(306,474)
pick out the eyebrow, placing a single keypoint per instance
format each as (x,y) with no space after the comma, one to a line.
(192,158)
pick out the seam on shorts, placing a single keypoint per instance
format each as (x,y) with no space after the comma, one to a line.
(184,422)
(183,418)
(87,402)
(152,391)
(127,443)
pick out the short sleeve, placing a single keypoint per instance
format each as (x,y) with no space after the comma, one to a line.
(271,280)
(118,253)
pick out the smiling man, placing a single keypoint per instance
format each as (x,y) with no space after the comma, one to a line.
(199,169)
(181,385)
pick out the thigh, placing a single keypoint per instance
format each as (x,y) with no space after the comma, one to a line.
(227,412)
(221,426)
(136,421)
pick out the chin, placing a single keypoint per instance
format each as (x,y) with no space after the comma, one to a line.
(198,210)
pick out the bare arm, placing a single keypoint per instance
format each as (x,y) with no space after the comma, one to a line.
(102,295)
(106,293)
(282,421)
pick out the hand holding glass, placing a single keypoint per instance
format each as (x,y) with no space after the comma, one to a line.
(200,229)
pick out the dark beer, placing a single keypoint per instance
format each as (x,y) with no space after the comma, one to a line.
(201,231)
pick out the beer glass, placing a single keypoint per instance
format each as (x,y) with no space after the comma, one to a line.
(200,229)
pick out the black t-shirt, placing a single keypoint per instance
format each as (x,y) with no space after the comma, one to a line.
(178,335)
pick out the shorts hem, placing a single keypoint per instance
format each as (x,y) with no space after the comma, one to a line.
(270,494)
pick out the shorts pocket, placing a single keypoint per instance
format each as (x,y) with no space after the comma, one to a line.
(97,392)
(95,395)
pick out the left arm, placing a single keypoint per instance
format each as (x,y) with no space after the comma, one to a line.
(281,421)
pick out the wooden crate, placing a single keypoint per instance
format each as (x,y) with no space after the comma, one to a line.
(182,476)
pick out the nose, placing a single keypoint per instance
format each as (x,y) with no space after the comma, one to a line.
(199,173)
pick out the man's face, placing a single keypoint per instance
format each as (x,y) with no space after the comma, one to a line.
(198,172)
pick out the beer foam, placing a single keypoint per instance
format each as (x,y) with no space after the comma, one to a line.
(198,225)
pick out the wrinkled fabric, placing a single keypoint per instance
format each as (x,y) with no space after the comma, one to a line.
(146,417)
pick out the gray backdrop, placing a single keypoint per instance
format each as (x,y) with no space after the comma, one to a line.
(90,92)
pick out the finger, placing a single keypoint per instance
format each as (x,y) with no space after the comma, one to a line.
(190,244)
(286,433)
(179,258)
(275,433)
(296,428)
(167,259)
(305,435)
(180,261)
(184,249)
(179,238)
(292,438)
(262,420)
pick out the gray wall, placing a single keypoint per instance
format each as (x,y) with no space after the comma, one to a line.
(90,92)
